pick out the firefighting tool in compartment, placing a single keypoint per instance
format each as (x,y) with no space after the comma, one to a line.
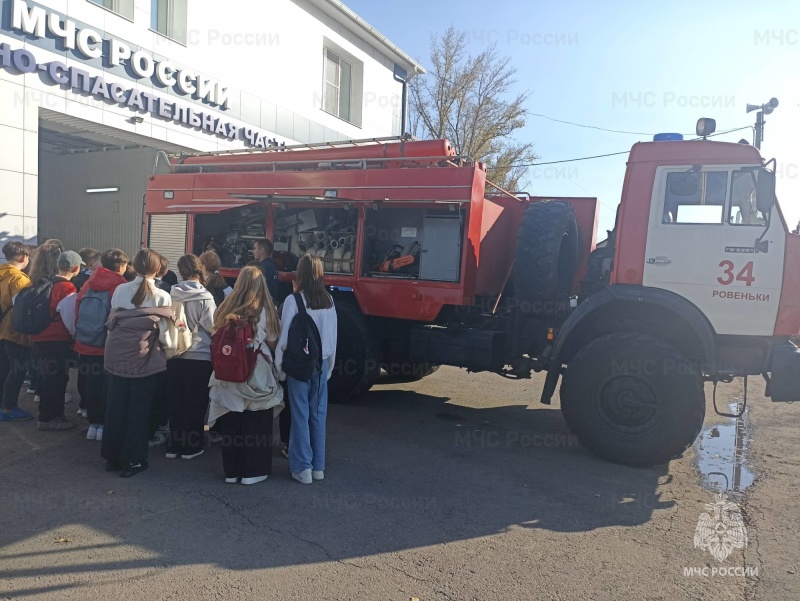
(400,258)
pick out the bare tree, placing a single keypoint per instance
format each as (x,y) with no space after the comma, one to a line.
(469,100)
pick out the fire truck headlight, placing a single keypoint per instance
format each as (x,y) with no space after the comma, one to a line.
(706,127)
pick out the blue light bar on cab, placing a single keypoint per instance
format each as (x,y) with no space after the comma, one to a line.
(667,137)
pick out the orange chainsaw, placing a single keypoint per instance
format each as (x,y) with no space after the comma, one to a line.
(400,258)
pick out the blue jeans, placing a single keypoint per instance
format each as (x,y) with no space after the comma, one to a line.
(309,405)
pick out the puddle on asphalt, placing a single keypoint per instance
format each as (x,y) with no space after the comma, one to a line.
(722,454)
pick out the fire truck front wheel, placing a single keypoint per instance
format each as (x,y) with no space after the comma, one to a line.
(633,399)
(358,359)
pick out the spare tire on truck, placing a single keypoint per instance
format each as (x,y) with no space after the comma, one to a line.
(358,357)
(547,256)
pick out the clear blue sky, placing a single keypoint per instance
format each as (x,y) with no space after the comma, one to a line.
(635,66)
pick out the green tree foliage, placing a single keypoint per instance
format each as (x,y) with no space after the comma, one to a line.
(470,100)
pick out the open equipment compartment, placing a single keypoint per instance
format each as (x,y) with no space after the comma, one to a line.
(413,243)
(230,233)
(329,233)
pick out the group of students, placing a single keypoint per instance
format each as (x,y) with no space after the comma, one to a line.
(145,344)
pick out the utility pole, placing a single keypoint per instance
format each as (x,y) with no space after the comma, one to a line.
(764,109)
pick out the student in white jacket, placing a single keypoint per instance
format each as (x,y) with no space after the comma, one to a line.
(308,400)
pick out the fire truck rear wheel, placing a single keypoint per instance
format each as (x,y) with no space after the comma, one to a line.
(358,359)
(633,399)
(546,256)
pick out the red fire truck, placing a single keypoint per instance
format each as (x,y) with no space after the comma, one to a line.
(430,264)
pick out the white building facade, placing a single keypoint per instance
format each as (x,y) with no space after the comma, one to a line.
(91,90)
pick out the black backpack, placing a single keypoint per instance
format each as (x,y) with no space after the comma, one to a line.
(303,354)
(32,308)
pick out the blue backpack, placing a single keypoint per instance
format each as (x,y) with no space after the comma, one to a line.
(93,312)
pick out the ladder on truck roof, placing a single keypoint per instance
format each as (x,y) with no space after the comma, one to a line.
(312,145)
(299,162)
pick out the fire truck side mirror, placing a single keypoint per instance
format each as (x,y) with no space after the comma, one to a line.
(765,191)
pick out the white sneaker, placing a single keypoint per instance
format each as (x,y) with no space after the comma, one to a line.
(171,455)
(255,480)
(36,399)
(303,477)
(31,391)
(99,436)
(91,434)
(67,397)
(231,480)
(192,456)
(317,474)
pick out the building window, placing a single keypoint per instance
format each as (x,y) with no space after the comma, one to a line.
(168,17)
(338,84)
(121,7)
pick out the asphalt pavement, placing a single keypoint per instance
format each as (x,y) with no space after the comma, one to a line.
(460,486)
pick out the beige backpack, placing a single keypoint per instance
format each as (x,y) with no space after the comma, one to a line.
(183,334)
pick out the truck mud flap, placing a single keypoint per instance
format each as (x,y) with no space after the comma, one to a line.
(784,383)
(476,350)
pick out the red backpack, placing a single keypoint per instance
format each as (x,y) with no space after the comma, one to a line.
(232,354)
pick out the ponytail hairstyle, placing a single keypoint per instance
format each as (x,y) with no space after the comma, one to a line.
(190,266)
(310,281)
(146,263)
(212,265)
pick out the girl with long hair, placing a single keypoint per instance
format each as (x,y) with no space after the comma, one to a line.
(244,410)
(44,264)
(188,374)
(308,400)
(140,339)
(56,242)
(214,282)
